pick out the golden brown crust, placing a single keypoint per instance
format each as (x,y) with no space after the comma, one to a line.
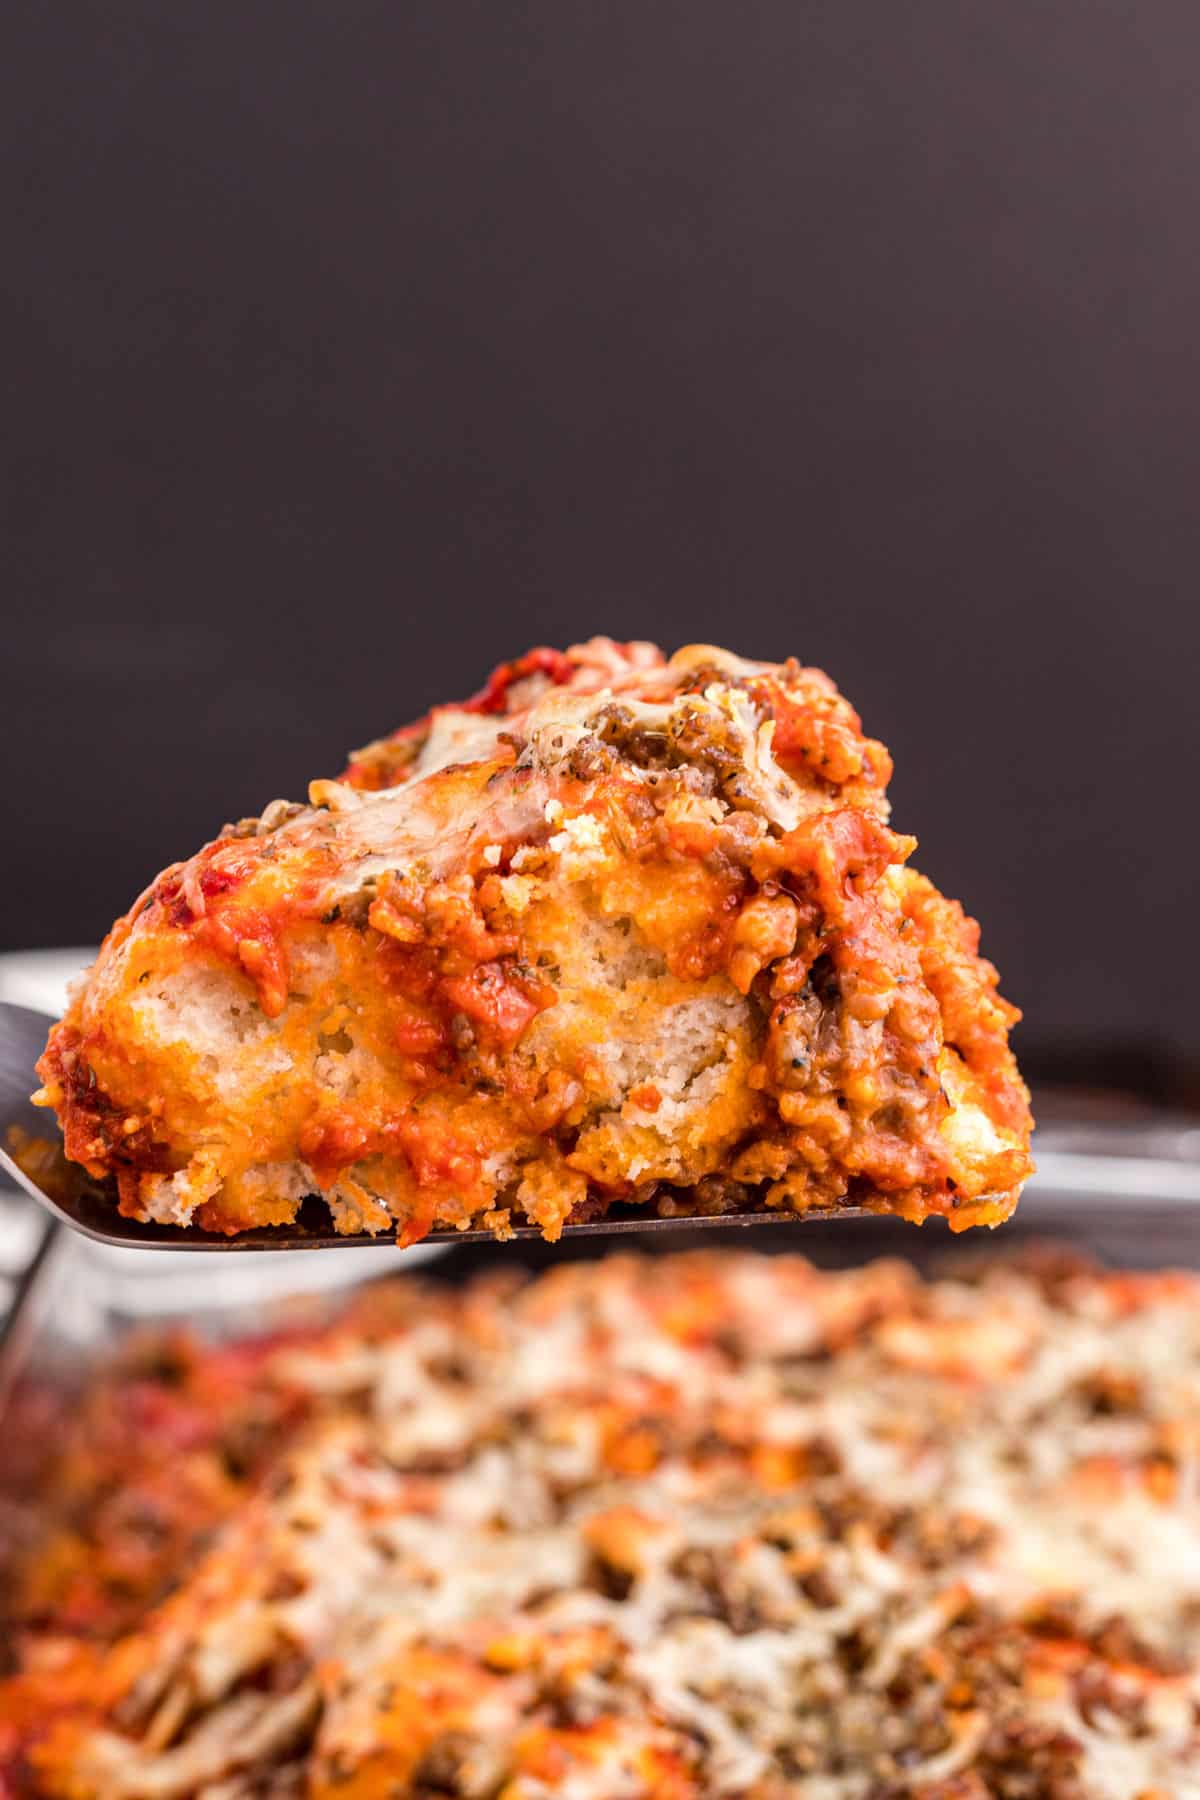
(444,992)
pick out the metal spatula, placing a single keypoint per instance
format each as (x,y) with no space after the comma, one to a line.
(91,1207)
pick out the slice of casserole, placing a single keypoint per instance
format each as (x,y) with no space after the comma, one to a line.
(615,930)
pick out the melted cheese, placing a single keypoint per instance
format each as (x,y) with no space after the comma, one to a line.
(618,932)
(700,1521)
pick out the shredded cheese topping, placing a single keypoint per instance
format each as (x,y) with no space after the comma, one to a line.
(710,1526)
(616,931)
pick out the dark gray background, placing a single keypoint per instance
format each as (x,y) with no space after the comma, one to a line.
(350,347)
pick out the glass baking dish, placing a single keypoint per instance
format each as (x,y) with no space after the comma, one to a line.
(1126,1193)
